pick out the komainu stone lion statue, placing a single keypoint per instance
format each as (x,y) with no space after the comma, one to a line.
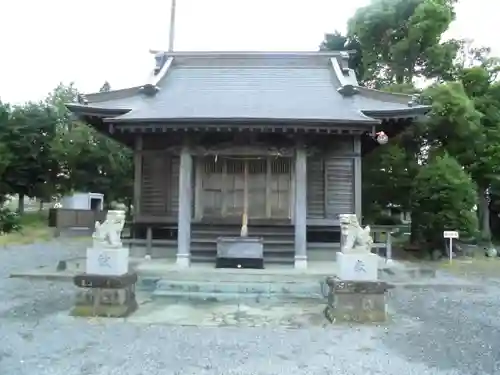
(108,234)
(355,238)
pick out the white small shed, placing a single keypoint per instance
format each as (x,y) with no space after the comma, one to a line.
(83,201)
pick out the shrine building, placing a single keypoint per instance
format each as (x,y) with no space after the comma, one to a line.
(274,140)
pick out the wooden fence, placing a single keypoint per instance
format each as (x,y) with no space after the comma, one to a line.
(65,219)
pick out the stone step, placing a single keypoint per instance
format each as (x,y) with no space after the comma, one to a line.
(237,231)
(266,241)
(203,257)
(269,249)
(230,297)
(173,243)
(142,242)
(237,228)
(199,289)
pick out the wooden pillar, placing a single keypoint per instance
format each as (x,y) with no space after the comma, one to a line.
(300,214)
(149,241)
(198,187)
(269,181)
(358,179)
(244,224)
(137,174)
(185,202)
(388,246)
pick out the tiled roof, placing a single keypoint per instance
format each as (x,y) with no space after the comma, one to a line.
(253,86)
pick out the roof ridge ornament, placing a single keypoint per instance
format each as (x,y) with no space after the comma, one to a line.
(348,90)
(163,64)
(415,100)
(161,59)
(345,76)
(344,62)
(82,99)
(149,89)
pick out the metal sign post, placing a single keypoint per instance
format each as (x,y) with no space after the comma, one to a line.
(451,234)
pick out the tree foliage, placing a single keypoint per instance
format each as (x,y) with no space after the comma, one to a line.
(389,177)
(338,42)
(46,152)
(401,39)
(28,136)
(444,198)
(401,43)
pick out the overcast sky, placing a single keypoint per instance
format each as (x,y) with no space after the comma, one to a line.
(89,42)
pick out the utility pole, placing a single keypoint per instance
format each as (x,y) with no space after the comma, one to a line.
(172,26)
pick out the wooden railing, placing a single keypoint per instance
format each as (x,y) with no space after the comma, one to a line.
(382,238)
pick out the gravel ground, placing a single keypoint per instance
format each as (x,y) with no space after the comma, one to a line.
(442,331)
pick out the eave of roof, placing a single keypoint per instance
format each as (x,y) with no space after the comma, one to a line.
(240,120)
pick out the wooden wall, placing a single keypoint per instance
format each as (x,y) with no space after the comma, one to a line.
(159,185)
(332,188)
(331,181)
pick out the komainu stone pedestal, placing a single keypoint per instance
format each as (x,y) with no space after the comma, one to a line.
(356,301)
(105,295)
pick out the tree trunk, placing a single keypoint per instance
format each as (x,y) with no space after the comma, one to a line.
(20,204)
(484,215)
(40,208)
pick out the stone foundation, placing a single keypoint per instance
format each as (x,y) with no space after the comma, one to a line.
(356,301)
(105,296)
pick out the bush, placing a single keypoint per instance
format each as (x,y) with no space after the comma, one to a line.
(384,219)
(443,198)
(10,221)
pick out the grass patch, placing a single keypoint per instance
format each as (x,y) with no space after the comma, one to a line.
(34,229)
(478,266)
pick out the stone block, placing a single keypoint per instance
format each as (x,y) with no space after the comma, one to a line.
(105,296)
(104,302)
(107,261)
(105,281)
(357,266)
(357,301)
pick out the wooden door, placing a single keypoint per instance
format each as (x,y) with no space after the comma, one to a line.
(234,188)
(211,192)
(256,179)
(226,181)
(280,197)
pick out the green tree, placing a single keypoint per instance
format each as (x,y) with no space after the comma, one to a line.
(389,176)
(5,155)
(444,198)
(88,160)
(401,40)
(338,42)
(57,99)
(28,135)
(465,121)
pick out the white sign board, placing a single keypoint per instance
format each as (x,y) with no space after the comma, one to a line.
(450,234)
